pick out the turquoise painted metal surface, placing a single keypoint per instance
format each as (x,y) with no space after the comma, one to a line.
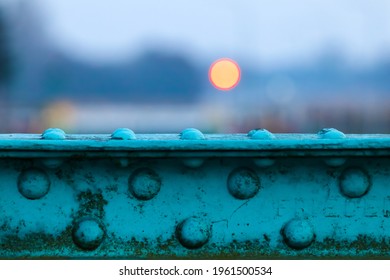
(190,195)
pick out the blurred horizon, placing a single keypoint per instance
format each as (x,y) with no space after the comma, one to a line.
(91,67)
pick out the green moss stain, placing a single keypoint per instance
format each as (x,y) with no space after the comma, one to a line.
(91,204)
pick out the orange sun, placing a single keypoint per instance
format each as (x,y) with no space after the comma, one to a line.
(224,74)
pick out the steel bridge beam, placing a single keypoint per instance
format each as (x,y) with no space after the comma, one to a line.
(256,195)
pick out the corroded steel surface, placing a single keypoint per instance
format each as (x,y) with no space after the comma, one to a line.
(190,195)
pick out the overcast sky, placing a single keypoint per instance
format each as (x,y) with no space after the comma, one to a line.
(271,32)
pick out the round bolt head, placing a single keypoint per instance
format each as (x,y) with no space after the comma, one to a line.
(144,183)
(53,134)
(88,233)
(298,234)
(191,134)
(260,134)
(193,232)
(33,183)
(243,183)
(330,133)
(354,182)
(123,134)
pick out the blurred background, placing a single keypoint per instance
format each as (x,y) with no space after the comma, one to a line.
(90,66)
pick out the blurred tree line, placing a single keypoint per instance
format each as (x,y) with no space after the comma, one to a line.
(37,73)
(5,52)
(152,77)
(5,72)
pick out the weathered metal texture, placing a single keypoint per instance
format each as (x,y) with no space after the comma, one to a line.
(259,195)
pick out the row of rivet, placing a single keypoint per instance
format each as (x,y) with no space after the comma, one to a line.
(243,183)
(195,134)
(192,134)
(145,183)
(88,233)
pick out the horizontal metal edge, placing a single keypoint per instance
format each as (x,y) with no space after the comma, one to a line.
(156,145)
(193,153)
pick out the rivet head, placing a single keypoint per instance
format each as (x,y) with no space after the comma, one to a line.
(354,182)
(260,134)
(243,183)
(53,134)
(33,183)
(144,183)
(193,232)
(330,133)
(191,134)
(298,234)
(88,233)
(123,134)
